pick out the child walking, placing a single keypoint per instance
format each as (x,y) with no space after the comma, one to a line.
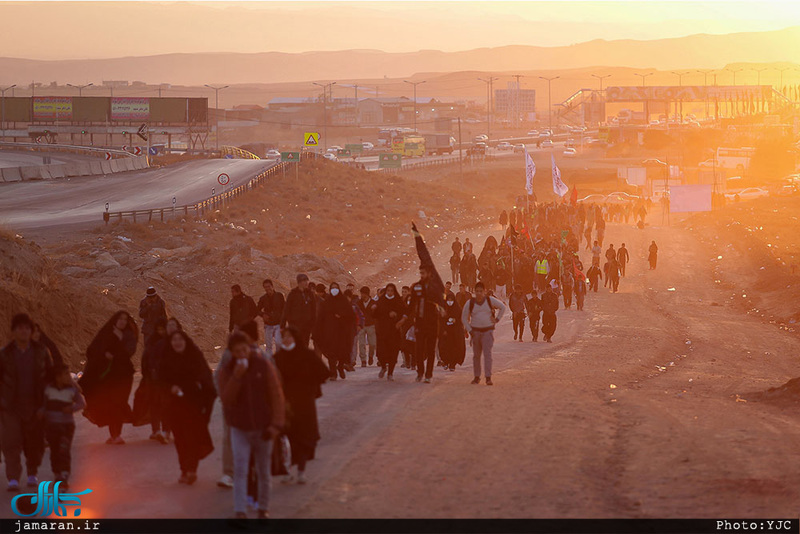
(62,399)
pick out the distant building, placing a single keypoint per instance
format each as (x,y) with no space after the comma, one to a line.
(507,101)
(115,83)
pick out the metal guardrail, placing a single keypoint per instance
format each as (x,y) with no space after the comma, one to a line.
(237,152)
(198,209)
(74,149)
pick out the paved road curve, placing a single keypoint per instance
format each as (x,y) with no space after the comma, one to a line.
(40,204)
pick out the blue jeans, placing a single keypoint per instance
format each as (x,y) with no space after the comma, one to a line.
(242,442)
(272,332)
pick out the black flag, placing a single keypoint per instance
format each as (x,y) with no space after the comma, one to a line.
(435,287)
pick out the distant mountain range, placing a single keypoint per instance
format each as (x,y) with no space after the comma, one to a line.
(695,51)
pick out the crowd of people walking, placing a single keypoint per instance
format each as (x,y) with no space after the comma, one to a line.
(313,334)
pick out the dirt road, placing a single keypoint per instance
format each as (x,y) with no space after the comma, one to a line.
(631,412)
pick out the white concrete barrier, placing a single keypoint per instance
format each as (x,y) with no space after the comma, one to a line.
(32,172)
(58,171)
(96,167)
(12,174)
(105,167)
(46,174)
(116,166)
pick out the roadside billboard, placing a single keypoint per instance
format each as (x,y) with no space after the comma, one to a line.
(689,198)
(52,108)
(130,109)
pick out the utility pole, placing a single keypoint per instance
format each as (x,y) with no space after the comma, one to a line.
(599,77)
(517,106)
(3,91)
(489,95)
(415,84)
(216,106)
(80,88)
(549,110)
(781,71)
(356,106)
(325,87)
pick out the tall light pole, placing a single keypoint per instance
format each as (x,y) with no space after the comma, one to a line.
(643,77)
(3,91)
(216,108)
(325,87)
(680,75)
(549,109)
(734,71)
(489,94)
(517,105)
(705,73)
(599,77)
(80,88)
(758,72)
(781,71)
(415,84)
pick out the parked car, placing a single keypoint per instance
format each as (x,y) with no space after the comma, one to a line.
(519,148)
(367,146)
(748,193)
(570,153)
(547,143)
(533,133)
(330,156)
(273,154)
(652,162)
(482,138)
(505,146)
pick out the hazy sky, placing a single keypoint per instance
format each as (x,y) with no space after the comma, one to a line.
(60,30)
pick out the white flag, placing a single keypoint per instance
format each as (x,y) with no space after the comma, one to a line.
(530,170)
(559,187)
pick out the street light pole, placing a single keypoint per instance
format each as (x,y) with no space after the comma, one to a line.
(759,71)
(415,84)
(80,88)
(680,76)
(643,76)
(599,77)
(489,82)
(549,104)
(216,108)
(781,71)
(647,101)
(325,87)
(734,71)
(3,91)
(705,73)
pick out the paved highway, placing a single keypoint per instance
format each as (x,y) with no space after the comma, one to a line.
(41,204)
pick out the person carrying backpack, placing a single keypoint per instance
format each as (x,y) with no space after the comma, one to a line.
(479,316)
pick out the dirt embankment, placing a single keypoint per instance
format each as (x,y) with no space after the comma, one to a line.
(329,222)
(754,251)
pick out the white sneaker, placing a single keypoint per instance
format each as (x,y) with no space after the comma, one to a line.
(225,482)
(288,479)
(301,478)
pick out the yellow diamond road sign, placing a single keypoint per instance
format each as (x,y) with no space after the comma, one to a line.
(311,139)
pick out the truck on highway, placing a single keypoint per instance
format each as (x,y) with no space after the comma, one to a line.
(409,145)
(439,144)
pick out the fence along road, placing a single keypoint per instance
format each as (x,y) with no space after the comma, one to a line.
(43,204)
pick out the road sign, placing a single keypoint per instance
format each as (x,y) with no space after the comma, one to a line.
(223,179)
(311,139)
(125,148)
(290,156)
(142,132)
(137,151)
(153,151)
(390,161)
(344,153)
(354,148)
(108,156)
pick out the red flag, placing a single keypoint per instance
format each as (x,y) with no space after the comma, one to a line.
(573,198)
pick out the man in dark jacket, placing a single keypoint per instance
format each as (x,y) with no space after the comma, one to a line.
(300,311)
(152,309)
(549,307)
(424,312)
(270,308)
(623,258)
(24,370)
(534,307)
(366,334)
(243,308)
